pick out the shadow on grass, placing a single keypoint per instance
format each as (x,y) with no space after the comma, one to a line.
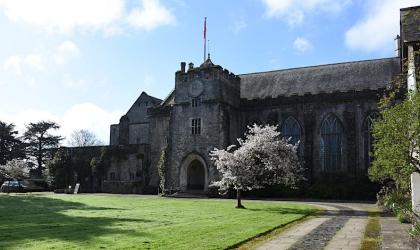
(32,218)
(285,210)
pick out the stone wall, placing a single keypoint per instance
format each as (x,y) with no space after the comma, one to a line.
(139,133)
(127,170)
(159,139)
(114,138)
(133,127)
(219,120)
(350,108)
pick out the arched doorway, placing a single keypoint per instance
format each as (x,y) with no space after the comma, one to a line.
(195,173)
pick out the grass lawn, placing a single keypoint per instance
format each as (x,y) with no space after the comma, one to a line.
(40,221)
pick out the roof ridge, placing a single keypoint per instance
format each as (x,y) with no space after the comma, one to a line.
(411,7)
(321,65)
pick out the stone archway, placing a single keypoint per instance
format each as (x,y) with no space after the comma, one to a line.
(193,173)
(195,176)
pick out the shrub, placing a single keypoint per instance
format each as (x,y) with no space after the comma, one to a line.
(342,186)
(415,233)
(335,185)
(404,216)
(213,191)
(396,201)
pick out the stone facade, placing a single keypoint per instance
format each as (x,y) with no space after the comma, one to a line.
(127,169)
(329,109)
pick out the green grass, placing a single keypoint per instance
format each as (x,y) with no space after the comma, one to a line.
(51,221)
(372,236)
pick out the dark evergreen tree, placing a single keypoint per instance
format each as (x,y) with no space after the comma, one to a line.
(11,147)
(39,142)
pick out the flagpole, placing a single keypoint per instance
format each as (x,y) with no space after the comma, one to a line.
(205,36)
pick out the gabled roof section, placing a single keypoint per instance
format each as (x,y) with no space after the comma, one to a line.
(144,97)
(169,99)
(341,77)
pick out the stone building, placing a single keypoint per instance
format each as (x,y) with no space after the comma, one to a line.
(328,108)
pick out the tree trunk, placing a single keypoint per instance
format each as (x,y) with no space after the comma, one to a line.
(238,198)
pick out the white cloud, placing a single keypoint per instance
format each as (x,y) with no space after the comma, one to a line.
(17,63)
(69,82)
(111,17)
(25,117)
(89,116)
(151,14)
(302,45)
(294,11)
(379,26)
(113,30)
(13,63)
(65,51)
(80,116)
(66,15)
(239,24)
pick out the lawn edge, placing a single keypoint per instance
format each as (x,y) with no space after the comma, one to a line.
(266,235)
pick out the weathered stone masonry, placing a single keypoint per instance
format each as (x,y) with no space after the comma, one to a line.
(328,108)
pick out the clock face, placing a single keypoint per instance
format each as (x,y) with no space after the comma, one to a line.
(196,88)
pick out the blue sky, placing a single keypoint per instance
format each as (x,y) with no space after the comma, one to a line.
(82,63)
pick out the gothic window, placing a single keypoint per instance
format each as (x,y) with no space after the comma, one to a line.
(196,126)
(112,176)
(368,138)
(331,143)
(291,131)
(196,101)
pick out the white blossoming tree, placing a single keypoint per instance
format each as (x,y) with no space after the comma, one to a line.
(263,158)
(15,169)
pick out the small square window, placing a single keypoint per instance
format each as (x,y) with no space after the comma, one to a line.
(196,126)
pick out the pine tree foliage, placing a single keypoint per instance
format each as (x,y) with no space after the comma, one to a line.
(40,141)
(11,147)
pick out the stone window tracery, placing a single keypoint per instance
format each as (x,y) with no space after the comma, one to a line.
(292,131)
(331,143)
(368,139)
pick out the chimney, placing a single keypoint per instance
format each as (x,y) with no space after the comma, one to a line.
(190,66)
(183,67)
(397,45)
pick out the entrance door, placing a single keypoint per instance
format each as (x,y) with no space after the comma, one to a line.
(195,175)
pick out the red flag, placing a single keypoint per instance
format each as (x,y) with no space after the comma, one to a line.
(205,28)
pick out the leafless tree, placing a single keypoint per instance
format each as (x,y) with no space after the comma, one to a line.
(84,138)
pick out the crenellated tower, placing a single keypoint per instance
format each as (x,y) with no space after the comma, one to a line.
(204,116)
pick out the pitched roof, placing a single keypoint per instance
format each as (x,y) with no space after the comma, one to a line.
(342,77)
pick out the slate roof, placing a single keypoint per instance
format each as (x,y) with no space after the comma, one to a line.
(155,100)
(342,77)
